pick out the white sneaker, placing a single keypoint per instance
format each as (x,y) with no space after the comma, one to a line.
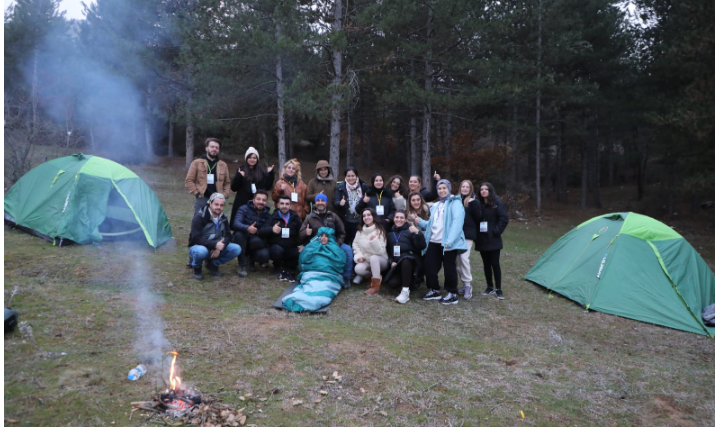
(404,296)
(358,279)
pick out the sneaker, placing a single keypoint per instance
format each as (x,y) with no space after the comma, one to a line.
(283,277)
(190,264)
(265,265)
(212,268)
(489,291)
(432,294)
(357,280)
(346,283)
(449,299)
(242,271)
(252,267)
(500,295)
(466,291)
(403,297)
(198,274)
(290,277)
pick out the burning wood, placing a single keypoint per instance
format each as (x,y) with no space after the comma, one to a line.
(190,405)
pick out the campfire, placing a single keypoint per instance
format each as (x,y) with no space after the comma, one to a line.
(178,401)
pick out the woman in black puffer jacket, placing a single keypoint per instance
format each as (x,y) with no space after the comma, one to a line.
(379,198)
(405,244)
(489,242)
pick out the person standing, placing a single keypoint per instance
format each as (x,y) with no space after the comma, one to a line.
(415,184)
(321,217)
(399,192)
(291,184)
(417,206)
(445,238)
(250,234)
(404,250)
(210,238)
(348,195)
(249,178)
(369,251)
(208,175)
(489,242)
(379,199)
(472,217)
(284,229)
(323,183)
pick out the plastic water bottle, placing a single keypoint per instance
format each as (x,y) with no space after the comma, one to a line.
(137,372)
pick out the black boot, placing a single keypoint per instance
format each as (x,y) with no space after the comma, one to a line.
(213,268)
(198,274)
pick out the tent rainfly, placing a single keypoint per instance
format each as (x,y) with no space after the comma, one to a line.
(86,199)
(632,266)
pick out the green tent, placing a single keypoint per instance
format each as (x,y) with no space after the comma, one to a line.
(86,199)
(633,266)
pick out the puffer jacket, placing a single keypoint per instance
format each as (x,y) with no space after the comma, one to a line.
(363,247)
(497,220)
(382,197)
(247,215)
(277,239)
(472,217)
(318,184)
(242,186)
(411,247)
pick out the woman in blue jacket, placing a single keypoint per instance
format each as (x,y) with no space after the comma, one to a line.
(445,241)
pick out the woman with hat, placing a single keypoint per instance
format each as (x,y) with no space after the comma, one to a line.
(249,178)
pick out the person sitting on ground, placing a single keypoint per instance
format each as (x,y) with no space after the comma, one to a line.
(321,217)
(321,264)
(248,233)
(210,238)
(284,229)
(405,244)
(369,251)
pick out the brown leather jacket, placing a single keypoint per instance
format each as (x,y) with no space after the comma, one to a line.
(302,208)
(196,178)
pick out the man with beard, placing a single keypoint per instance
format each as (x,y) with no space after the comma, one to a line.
(210,238)
(321,217)
(284,229)
(208,175)
(249,233)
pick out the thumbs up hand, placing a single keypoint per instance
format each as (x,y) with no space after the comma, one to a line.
(308,230)
(252,228)
(436,176)
(342,202)
(366,199)
(277,228)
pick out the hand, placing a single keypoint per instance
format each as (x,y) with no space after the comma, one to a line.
(436,176)
(215,253)
(373,237)
(397,194)
(361,260)
(283,186)
(252,228)
(270,168)
(366,198)
(413,229)
(447,247)
(243,173)
(322,192)
(220,246)
(412,217)
(277,228)
(300,249)
(342,201)
(308,230)
(394,264)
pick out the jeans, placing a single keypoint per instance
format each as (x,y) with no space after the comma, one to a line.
(199,254)
(348,271)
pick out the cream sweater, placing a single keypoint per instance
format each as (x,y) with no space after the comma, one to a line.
(363,247)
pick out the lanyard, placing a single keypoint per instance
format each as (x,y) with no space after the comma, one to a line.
(291,184)
(285,218)
(438,208)
(379,199)
(397,238)
(209,167)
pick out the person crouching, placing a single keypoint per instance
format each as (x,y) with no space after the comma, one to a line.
(210,238)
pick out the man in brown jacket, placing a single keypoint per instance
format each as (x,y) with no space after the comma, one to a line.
(208,175)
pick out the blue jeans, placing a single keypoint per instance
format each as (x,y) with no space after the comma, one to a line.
(199,254)
(348,261)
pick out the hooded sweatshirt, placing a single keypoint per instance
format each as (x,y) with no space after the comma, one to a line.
(318,184)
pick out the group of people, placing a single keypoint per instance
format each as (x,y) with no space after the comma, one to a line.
(387,230)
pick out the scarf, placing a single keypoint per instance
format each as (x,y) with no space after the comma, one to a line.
(291,179)
(354,195)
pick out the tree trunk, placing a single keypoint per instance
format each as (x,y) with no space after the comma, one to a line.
(561,194)
(515,146)
(279,101)
(584,175)
(170,152)
(189,133)
(147,127)
(427,111)
(448,138)
(337,59)
(538,119)
(595,170)
(351,141)
(367,139)
(414,151)
(34,126)
(291,137)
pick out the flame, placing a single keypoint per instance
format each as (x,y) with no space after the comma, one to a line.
(173,380)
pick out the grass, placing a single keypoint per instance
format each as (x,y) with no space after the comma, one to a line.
(480,362)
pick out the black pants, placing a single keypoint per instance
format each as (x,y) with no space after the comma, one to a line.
(255,247)
(350,231)
(284,258)
(404,275)
(491,264)
(435,259)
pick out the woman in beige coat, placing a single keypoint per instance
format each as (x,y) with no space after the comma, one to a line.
(370,250)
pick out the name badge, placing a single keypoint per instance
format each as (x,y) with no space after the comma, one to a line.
(483,227)
(210,178)
(396,251)
(380,210)
(293,197)
(285,233)
(253,188)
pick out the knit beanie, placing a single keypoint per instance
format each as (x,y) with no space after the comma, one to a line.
(250,151)
(322,197)
(445,182)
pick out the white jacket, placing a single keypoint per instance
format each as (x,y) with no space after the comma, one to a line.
(363,247)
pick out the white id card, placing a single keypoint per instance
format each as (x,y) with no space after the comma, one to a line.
(396,251)
(210,178)
(253,188)
(483,227)
(380,210)
(285,233)
(294,197)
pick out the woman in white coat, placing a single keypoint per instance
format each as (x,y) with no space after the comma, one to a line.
(370,250)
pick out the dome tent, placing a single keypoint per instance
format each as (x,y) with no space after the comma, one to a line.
(86,199)
(632,266)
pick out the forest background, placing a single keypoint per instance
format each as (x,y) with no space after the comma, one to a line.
(535,96)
